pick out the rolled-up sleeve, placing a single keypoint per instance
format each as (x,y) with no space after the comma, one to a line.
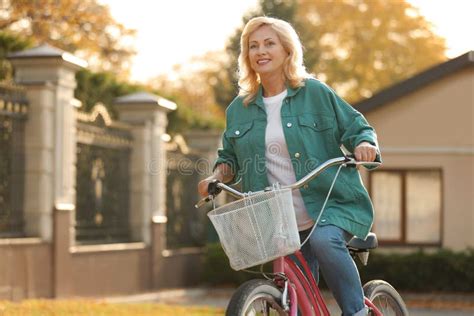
(227,155)
(352,125)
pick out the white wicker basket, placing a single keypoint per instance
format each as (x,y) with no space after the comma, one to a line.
(257,229)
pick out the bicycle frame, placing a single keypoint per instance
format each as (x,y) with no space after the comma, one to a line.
(306,293)
(303,289)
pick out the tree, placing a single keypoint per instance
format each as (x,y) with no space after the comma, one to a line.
(198,87)
(94,87)
(362,46)
(356,46)
(83,27)
(10,43)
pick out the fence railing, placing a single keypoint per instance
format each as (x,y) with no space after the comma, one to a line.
(13,113)
(186,226)
(102,181)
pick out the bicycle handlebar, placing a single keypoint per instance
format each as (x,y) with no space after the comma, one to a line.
(346,161)
(216,186)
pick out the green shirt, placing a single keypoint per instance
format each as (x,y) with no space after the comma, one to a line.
(316,122)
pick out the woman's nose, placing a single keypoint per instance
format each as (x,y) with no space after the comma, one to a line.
(261,51)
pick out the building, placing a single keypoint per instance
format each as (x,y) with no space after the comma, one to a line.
(423,193)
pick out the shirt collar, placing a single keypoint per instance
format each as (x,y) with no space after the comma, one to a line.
(259,97)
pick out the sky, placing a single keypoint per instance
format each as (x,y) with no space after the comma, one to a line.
(171,32)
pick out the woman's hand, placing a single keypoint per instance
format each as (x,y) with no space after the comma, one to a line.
(222,173)
(203,185)
(365,152)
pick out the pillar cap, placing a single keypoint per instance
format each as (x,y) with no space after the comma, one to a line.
(49,52)
(140,98)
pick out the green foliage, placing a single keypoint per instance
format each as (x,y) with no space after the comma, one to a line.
(217,270)
(10,43)
(442,271)
(185,118)
(197,91)
(93,87)
(104,87)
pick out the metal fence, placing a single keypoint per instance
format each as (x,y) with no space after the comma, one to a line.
(186,226)
(102,181)
(13,114)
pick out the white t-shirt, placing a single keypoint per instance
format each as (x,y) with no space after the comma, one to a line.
(278,161)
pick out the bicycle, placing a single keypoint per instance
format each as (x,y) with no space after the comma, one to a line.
(288,289)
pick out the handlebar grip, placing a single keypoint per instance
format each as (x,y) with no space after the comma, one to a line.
(351,162)
(213,188)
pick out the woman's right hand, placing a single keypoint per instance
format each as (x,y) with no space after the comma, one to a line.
(203,185)
(222,173)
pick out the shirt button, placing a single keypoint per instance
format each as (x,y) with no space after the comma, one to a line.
(237,132)
(288,124)
(305,186)
(297,155)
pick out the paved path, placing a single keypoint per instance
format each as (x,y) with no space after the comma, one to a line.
(445,312)
(418,304)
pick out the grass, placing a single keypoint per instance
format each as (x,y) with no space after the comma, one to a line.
(98,308)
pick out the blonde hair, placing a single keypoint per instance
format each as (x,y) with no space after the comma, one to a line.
(294,69)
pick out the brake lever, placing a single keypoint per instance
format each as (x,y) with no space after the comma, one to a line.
(213,190)
(203,201)
(351,162)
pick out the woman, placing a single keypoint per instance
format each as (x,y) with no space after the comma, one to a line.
(281,126)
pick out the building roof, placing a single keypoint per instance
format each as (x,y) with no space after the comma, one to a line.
(416,82)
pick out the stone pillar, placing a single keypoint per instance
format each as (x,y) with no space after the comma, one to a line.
(64,237)
(205,144)
(48,74)
(147,114)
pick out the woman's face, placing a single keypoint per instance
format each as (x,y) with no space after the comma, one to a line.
(266,53)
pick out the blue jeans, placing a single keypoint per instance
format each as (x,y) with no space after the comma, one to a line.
(326,250)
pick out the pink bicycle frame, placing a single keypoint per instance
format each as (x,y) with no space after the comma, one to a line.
(303,289)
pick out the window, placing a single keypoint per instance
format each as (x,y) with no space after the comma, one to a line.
(407,206)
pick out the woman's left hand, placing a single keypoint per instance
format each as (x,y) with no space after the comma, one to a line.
(365,152)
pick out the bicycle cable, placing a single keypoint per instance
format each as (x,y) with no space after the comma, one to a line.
(266,274)
(324,205)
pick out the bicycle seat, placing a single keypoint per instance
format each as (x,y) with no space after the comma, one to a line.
(369,243)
